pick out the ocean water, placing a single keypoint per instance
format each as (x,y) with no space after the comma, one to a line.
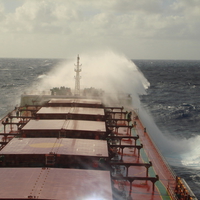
(171,102)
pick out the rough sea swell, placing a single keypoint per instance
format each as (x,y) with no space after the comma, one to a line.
(173,101)
(166,93)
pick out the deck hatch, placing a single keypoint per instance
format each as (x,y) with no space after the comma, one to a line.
(78,113)
(64,146)
(90,103)
(54,183)
(47,152)
(74,125)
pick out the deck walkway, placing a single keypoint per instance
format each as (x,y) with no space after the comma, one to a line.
(144,189)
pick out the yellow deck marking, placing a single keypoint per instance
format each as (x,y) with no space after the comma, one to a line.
(45,145)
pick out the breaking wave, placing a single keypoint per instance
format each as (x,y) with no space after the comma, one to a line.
(106,70)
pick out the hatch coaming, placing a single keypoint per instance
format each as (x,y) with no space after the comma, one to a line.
(53,152)
(44,183)
(78,113)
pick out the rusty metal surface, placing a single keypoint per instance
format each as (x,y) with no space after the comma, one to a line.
(85,101)
(71,110)
(62,146)
(61,101)
(96,126)
(82,125)
(52,183)
(54,110)
(44,125)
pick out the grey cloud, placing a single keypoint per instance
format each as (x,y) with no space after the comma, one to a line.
(121,24)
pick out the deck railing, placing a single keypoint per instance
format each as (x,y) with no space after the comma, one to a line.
(170,189)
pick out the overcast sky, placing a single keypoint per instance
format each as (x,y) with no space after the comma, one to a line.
(140,29)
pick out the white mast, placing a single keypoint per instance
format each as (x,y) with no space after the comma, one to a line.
(77,78)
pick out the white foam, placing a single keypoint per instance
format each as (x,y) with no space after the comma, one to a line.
(113,72)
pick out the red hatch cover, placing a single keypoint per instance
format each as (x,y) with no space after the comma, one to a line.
(52,183)
(71,110)
(85,101)
(96,126)
(76,125)
(44,125)
(62,146)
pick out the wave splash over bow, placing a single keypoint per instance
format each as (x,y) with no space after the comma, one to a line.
(105,70)
(114,73)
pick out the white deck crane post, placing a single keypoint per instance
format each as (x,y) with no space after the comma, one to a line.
(77,78)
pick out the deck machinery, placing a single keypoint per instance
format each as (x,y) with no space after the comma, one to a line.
(78,147)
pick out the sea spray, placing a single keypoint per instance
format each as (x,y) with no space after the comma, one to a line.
(170,147)
(113,73)
(169,88)
(191,157)
(109,71)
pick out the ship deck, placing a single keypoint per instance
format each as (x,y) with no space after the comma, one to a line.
(52,183)
(141,188)
(138,170)
(82,147)
(70,112)
(72,102)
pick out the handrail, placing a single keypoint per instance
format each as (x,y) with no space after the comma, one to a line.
(170,190)
(158,151)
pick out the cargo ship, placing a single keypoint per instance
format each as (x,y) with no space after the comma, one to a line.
(82,144)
